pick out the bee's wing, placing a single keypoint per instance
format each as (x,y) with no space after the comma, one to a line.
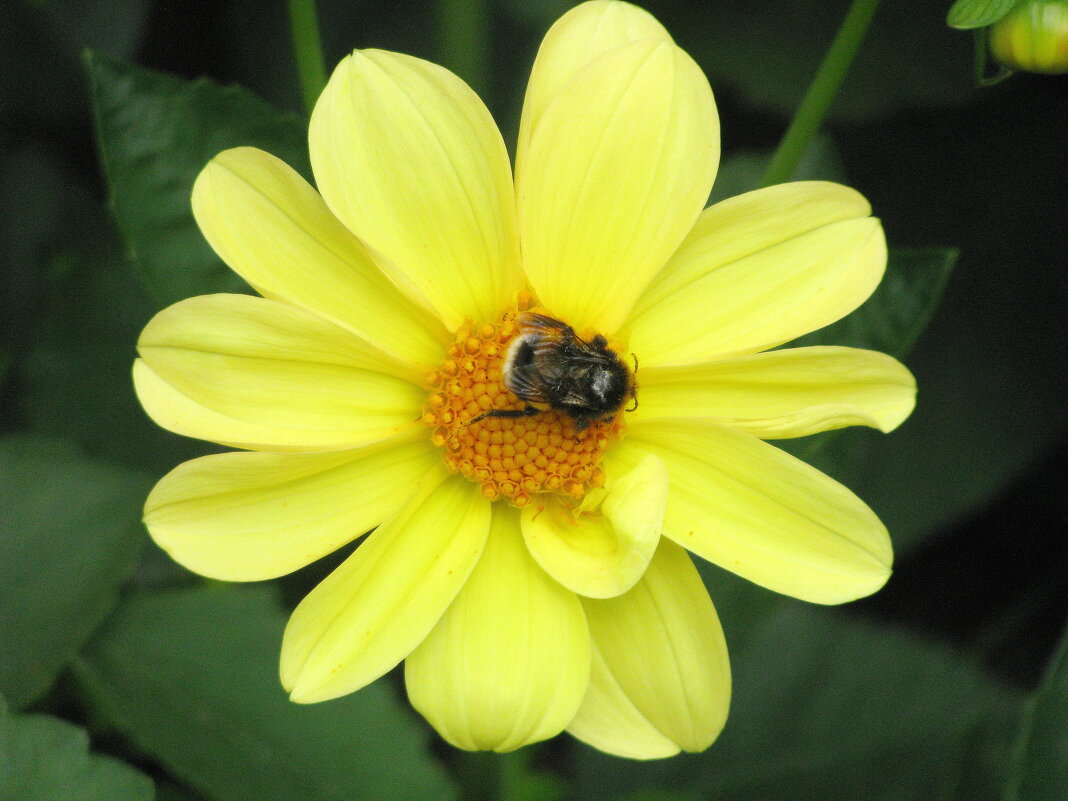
(543,323)
(526,382)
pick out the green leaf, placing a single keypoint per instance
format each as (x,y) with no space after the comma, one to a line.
(192,677)
(43,758)
(828,708)
(87,346)
(155,133)
(1040,768)
(69,534)
(967,14)
(893,318)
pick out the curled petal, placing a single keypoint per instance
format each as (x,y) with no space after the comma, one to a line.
(601,554)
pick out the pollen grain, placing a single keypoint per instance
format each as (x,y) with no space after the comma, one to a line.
(514,458)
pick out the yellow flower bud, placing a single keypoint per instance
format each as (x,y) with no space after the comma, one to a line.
(1033,37)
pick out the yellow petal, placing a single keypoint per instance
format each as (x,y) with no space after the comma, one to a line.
(785,393)
(408,157)
(617,170)
(752,509)
(758,270)
(573,42)
(601,554)
(662,648)
(274,230)
(508,663)
(253,516)
(609,721)
(374,609)
(259,373)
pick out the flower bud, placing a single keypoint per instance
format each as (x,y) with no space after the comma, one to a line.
(1033,37)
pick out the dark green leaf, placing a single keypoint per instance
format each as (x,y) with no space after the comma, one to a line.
(967,14)
(43,758)
(892,319)
(192,677)
(826,708)
(1040,769)
(156,132)
(83,338)
(69,534)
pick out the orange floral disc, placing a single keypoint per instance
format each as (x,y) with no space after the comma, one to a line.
(512,458)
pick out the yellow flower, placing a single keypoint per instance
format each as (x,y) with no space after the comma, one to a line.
(517,565)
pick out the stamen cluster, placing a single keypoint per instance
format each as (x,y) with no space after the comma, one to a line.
(512,458)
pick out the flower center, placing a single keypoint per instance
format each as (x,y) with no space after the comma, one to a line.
(514,446)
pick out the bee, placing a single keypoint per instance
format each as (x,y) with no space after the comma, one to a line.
(550,367)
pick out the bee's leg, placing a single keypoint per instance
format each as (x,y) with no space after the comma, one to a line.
(581,424)
(529,411)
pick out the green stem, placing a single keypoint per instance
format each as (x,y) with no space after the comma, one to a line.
(821,92)
(308,50)
(479,774)
(465,39)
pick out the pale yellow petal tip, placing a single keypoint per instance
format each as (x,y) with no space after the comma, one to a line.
(309,683)
(830,191)
(233,159)
(859,584)
(237,157)
(611,13)
(900,411)
(302,693)
(306,686)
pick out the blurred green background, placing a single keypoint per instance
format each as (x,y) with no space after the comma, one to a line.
(122,675)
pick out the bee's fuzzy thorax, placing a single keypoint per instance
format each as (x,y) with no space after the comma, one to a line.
(524,406)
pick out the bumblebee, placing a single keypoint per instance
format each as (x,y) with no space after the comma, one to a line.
(550,367)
